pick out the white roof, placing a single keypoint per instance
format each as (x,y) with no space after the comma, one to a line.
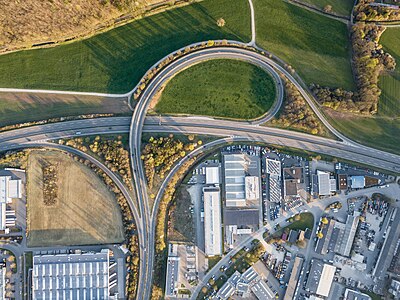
(212,221)
(325,282)
(252,188)
(324,188)
(234,165)
(212,175)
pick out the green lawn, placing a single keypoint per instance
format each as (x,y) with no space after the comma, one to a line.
(376,132)
(389,104)
(316,46)
(221,88)
(340,7)
(306,221)
(115,61)
(23,107)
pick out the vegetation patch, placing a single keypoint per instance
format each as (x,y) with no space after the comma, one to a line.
(85,212)
(220,88)
(18,108)
(340,7)
(115,61)
(316,46)
(380,133)
(296,114)
(364,11)
(389,103)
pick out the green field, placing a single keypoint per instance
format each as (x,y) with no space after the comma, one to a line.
(221,88)
(340,7)
(18,108)
(316,46)
(115,61)
(389,104)
(380,133)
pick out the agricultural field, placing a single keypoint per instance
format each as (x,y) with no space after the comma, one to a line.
(378,132)
(220,88)
(389,104)
(14,106)
(115,61)
(316,46)
(84,212)
(340,7)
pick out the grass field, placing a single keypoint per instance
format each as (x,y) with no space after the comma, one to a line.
(85,212)
(115,61)
(306,221)
(377,132)
(389,104)
(23,107)
(340,7)
(221,88)
(316,46)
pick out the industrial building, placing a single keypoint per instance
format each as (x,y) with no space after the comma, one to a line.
(10,188)
(357,182)
(212,221)
(212,175)
(172,274)
(355,295)
(239,223)
(2,281)
(274,172)
(238,187)
(326,184)
(254,281)
(346,235)
(292,178)
(73,276)
(320,278)
(294,278)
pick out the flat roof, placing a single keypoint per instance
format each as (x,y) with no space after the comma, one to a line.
(323,183)
(325,282)
(290,187)
(212,175)
(212,221)
(241,217)
(71,276)
(294,277)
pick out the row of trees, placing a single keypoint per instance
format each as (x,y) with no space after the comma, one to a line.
(131,239)
(296,113)
(50,184)
(110,150)
(369,61)
(160,154)
(14,159)
(364,11)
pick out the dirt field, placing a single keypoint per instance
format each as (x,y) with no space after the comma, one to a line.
(85,211)
(29,22)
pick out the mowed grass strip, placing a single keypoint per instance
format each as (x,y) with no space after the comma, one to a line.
(18,108)
(316,46)
(389,103)
(85,212)
(340,7)
(115,61)
(221,88)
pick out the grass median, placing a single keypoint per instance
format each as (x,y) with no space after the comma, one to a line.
(220,88)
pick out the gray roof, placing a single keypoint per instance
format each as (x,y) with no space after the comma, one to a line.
(241,217)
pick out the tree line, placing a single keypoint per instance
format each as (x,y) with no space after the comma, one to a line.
(369,62)
(367,10)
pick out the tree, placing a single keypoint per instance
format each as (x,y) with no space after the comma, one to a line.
(221,22)
(324,221)
(320,235)
(328,8)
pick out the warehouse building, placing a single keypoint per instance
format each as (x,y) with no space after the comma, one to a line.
(172,274)
(237,188)
(294,278)
(320,278)
(10,188)
(2,281)
(72,276)
(212,221)
(212,175)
